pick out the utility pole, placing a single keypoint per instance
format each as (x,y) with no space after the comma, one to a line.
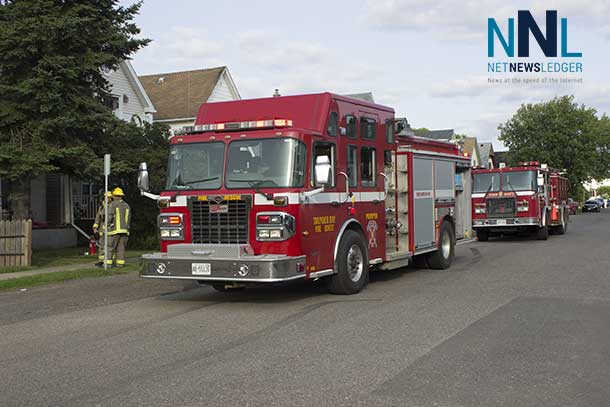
(106,174)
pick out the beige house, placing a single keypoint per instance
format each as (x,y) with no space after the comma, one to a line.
(177,96)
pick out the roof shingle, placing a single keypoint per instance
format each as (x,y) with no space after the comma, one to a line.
(178,95)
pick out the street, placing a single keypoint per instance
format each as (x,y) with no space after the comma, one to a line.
(514,322)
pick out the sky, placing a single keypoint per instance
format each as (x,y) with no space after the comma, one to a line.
(426,59)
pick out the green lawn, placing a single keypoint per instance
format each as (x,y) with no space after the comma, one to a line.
(64,257)
(61,276)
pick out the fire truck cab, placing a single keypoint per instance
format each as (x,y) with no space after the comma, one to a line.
(303,187)
(529,197)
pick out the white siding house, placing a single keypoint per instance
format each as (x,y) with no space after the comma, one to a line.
(132,104)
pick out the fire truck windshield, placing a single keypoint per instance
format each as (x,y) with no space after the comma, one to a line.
(271,163)
(518,181)
(486,182)
(195,166)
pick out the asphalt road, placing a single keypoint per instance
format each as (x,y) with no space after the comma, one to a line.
(517,322)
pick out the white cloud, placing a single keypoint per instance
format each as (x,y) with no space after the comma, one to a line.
(466,19)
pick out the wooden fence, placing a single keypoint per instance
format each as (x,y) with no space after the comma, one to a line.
(15,243)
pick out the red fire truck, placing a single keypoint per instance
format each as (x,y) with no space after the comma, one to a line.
(303,187)
(529,197)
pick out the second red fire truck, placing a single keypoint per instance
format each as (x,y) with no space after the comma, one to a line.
(529,197)
(304,187)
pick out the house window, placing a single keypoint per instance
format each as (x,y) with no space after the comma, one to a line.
(111,102)
(367,166)
(321,149)
(389,131)
(352,165)
(333,124)
(350,126)
(368,128)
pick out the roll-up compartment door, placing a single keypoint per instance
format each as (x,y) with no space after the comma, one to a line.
(423,204)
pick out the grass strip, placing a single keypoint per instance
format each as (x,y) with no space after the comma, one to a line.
(61,276)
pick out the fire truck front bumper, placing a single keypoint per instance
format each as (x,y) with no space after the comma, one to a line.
(504,222)
(268,268)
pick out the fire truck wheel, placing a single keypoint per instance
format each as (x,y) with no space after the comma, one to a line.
(482,235)
(420,261)
(352,265)
(443,257)
(542,233)
(224,288)
(563,227)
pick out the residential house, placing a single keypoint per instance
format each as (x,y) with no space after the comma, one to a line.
(59,201)
(471,147)
(442,135)
(487,155)
(177,96)
(500,157)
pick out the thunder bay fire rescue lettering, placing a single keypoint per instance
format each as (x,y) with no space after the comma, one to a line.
(548,43)
(324,223)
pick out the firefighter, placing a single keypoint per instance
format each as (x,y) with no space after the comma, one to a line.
(98,227)
(118,228)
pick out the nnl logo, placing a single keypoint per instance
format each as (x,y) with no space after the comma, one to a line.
(525,25)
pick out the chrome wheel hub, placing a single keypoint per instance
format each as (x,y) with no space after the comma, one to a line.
(355,264)
(445,245)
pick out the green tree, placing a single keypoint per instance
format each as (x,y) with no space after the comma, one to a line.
(420,131)
(561,134)
(52,86)
(151,144)
(604,191)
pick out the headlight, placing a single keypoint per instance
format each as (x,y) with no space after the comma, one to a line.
(275,226)
(170,219)
(171,226)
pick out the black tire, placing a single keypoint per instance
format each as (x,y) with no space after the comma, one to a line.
(442,258)
(563,227)
(542,232)
(352,265)
(420,261)
(482,235)
(223,288)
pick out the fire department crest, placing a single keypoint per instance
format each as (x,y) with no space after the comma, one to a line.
(371,229)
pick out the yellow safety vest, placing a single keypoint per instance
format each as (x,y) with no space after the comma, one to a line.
(118,218)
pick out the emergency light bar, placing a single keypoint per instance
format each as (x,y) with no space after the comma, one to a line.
(256,124)
(528,163)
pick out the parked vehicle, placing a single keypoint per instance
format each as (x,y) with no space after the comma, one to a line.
(591,205)
(573,206)
(528,197)
(601,202)
(304,187)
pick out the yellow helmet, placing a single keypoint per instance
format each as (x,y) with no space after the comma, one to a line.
(118,192)
(108,194)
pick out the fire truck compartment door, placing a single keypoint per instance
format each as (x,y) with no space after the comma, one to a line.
(423,203)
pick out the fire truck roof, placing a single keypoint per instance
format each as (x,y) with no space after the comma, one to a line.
(305,111)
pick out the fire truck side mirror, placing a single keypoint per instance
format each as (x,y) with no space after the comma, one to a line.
(143,177)
(322,170)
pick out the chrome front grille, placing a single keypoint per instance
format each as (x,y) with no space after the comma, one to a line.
(505,207)
(216,221)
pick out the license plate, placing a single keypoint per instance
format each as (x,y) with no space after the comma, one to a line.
(201,269)
(501,222)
